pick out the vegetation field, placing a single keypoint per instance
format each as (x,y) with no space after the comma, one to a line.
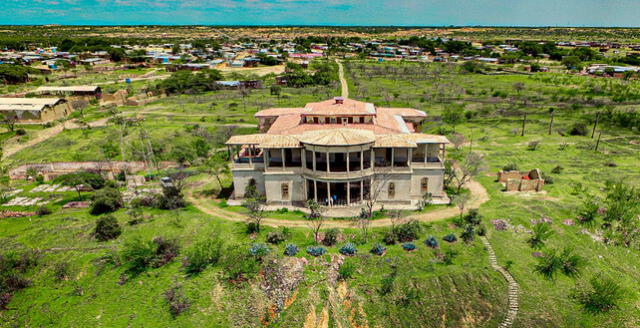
(168,264)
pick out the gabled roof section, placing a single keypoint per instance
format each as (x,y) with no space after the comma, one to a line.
(338,137)
(37,104)
(273,112)
(344,107)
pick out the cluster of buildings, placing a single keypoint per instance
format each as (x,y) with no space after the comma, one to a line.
(340,152)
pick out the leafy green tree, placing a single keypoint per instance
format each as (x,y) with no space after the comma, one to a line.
(572,62)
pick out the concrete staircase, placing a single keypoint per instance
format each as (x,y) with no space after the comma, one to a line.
(512,310)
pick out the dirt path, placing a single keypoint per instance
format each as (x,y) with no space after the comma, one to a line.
(479,195)
(512,295)
(42,135)
(343,81)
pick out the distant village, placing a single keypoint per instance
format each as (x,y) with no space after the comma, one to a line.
(45,104)
(186,56)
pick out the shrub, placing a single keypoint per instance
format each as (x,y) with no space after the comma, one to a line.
(106,200)
(239,264)
(468,234)
(408,231)
(140,255)
(431,241)
(61,270)
(21,132)
(510,167)
(107,228)
(482,230)
(409,247)
(570,263)
(259,250)
(348,249)
(346,270)
(541,232)
(578,129)
(252,227)
(389,237)
(43,210)
(291,250)
(202,254)
(450,238)
(275,237)
(316,250)
(533,145)
(473,218)
(601,295)
(448,256)
(178,303)
(378,249)
(557,170)
(330,237)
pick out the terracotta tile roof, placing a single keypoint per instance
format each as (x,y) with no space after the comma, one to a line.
(348,107)
(338,137)
(405,112)
(284,123)
(314,127)
(270,112)
(394,140)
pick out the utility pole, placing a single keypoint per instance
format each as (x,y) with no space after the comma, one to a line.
(598,142)
(593,132)
(551,111)
(524,121)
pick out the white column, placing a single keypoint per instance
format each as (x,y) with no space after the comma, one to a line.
(282,154)
(426,149)
(361,190)
(393,156)
(348,193)
(314,160)
(328,192)
(250,155)
(328,168)
(347,162)
(409,157)
(361,159)
(372,157)
(265,153)
(315,190)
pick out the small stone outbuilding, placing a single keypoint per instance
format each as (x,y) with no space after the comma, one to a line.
(521,181)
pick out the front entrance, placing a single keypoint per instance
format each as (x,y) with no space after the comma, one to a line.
(337,193)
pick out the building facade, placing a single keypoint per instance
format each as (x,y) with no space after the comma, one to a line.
(34,110)
(340,152)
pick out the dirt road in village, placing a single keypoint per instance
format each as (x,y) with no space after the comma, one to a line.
(343,81)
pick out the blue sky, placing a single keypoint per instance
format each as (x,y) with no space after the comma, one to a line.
(324,12)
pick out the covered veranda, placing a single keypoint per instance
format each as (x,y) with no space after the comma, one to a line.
(338,193)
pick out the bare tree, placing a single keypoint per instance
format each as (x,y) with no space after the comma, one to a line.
(10,121)
(375,189)
(461,201)
(457,140)
(315,219)
(253,201)
(472,165)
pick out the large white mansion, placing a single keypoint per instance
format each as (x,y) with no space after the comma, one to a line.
(338,152)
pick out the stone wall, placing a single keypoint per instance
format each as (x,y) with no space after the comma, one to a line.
(52,170)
